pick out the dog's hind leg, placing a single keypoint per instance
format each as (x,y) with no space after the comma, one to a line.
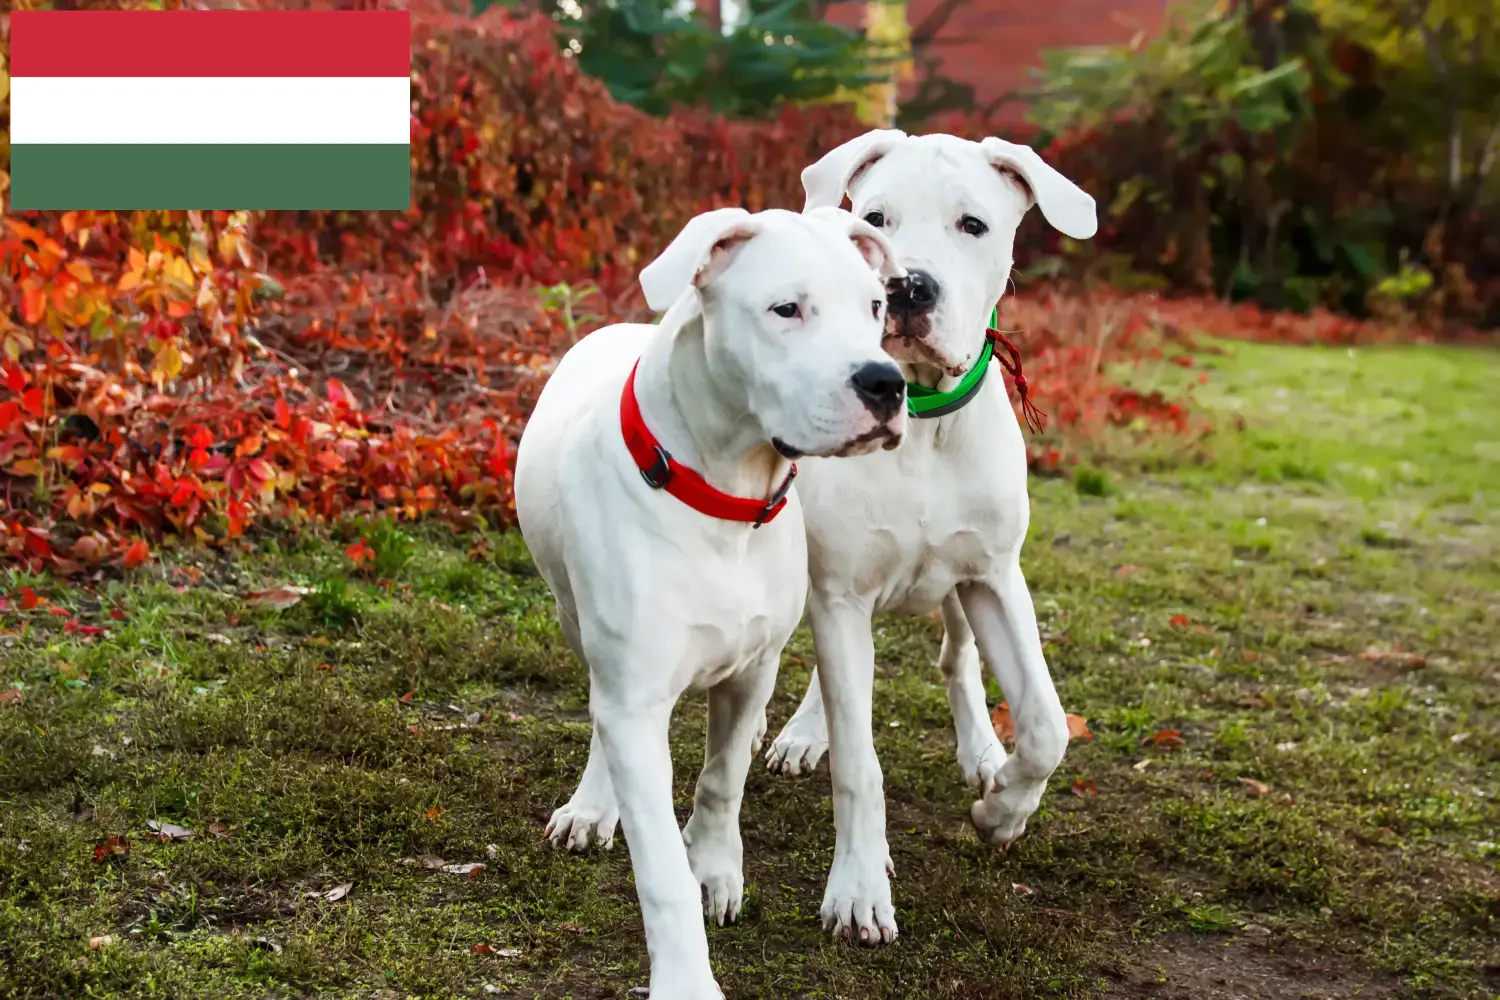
(804,739)
(735,708)
(591,815)
(980,754)
(1004,622)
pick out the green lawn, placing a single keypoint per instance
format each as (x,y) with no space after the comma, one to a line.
(1311,604)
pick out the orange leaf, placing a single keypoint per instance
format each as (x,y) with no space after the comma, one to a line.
(482,949)
(360,552)
(11,696)
(434,813)
(1078,728)
(114,845)
(1005,727)
(137,554)
(1178,621)
(1084,789)
(1166,738)
(406,698)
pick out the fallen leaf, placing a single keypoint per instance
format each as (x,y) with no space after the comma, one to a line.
(138,554)
(218,830)
(572,927)
(169,831)
(482,949)
(1260,788)
(406,698)
(1084,789)
(1178,621)
(102,941)
(1078,728)
(508,952)
(1005,726)
(338,892)
(1141,765)
(11,696)
(278,598)
(1460,737)
(472,719)
(1022,890)
(1394,656)
(472,869)
(1125,570)
(114,845)
(434,813)
(1166,738)
(325,666)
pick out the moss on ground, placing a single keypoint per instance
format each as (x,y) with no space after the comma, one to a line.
(1310,604)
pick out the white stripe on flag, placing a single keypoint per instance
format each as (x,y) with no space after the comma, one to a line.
(144,110)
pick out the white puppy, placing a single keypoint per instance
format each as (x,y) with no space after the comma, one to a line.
(652,486)
(938,523)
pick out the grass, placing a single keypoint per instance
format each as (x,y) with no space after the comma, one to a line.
(1311,604)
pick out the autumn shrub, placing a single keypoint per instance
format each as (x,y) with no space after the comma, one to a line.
(181,376)
(1294,153)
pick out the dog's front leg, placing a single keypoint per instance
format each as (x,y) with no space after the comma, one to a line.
(736,707)
(591,815)
(857,902)
(804,739)
(1004,622)
(633,735)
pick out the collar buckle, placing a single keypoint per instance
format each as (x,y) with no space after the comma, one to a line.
(659,472)
(776,499)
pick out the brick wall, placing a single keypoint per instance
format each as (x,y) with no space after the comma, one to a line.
(991,44)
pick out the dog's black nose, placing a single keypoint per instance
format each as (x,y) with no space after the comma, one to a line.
(881,386)
(913,295)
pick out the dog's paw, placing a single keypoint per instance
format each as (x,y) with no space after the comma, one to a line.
(857,903)
(982,767)
(1000,817)
(579,824)
(669,987)
(717,861)
(799,746)
(761,728)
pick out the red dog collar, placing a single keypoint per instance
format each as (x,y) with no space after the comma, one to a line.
(663,472)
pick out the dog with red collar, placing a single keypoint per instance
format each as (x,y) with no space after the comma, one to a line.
(654,488)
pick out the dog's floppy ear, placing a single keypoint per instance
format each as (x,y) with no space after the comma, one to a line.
(701,251)
(869,241)
(1065,205)
(826,181)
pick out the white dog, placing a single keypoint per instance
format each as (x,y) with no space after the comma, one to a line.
(652,486)
(939,522)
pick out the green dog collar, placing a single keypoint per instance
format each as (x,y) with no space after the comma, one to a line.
(922,402)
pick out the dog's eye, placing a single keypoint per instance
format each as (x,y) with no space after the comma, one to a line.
(876,219)
(875,308)
(787,310)
(973,226)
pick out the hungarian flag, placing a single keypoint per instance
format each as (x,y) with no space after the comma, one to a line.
(210,109)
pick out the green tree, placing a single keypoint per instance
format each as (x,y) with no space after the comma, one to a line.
(656,54)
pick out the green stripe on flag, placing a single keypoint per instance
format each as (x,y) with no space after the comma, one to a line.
(270,176)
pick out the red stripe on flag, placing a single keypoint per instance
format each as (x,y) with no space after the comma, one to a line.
(184,43)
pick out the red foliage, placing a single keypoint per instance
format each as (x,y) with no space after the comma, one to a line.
(157,381)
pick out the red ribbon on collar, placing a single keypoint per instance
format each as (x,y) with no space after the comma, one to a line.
(663,472)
